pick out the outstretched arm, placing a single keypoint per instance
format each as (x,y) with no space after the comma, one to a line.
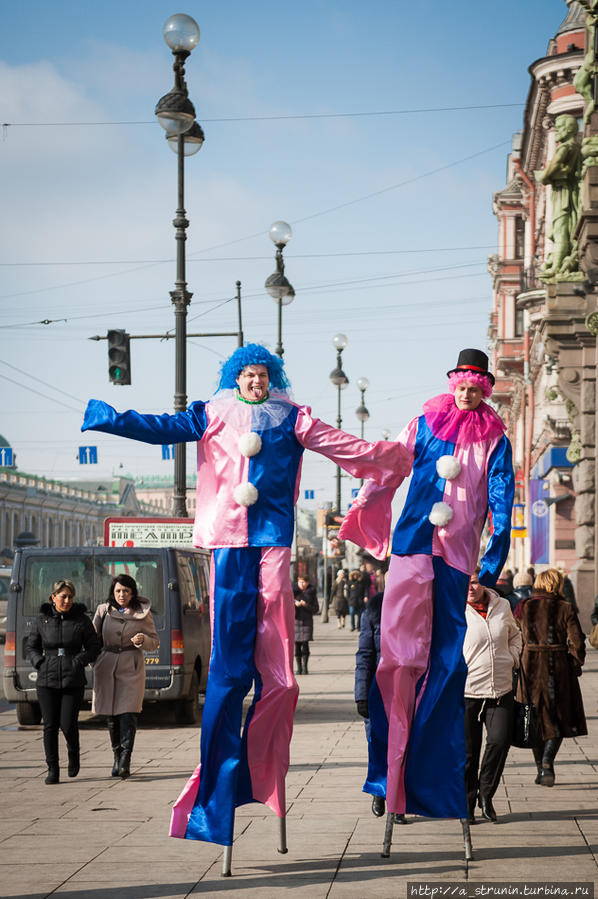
(501,490)
(159,429)
(385,462)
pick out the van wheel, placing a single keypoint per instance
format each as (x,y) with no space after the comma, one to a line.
(29,713)
(188,710)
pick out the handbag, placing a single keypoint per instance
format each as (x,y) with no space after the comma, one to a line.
(593,638)
(525,726)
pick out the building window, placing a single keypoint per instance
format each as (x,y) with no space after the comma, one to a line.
(519,322)
(519,238)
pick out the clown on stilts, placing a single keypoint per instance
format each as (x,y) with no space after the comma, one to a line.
(461,468)
(250,441)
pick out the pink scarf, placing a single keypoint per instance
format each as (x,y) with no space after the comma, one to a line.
(464,427)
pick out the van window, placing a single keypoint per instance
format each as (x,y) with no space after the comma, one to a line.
(192,583)
(92,577)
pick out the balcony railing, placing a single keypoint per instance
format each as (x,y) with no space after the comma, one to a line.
(528,280)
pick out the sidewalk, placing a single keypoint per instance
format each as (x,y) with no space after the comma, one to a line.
(96,837)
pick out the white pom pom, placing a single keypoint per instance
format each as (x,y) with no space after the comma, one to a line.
(440,515)
(245,494)
(250,444)
(448,467)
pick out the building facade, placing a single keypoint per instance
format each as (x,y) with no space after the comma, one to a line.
(63,513)
(544,354)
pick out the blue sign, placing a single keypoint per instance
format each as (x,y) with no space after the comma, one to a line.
(168,451)
(539,523)
(5,456)
(310,494)
(354,492)
(88,455)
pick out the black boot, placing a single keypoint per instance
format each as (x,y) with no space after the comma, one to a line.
(128,728)
(305,658)
(114,731)
(51,753)
(551,747)
(486,807)
(299,663)
(538,752)
(74,762)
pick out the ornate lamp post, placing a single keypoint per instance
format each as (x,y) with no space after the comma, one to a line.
(176,114)
(340,381)
(362,412)
(277,285)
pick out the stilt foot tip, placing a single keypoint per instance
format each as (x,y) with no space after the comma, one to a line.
(226,874)
(283,851)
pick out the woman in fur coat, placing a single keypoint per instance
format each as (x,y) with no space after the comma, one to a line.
(553,655)
(127,629)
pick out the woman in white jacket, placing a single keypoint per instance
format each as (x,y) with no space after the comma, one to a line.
(491,649)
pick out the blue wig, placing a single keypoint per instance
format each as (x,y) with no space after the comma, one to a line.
(252,354)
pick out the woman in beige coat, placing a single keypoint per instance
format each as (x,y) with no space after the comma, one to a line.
(127,628)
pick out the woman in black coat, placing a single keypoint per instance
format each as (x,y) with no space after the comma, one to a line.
(61,643)
(306,606)
(357,598)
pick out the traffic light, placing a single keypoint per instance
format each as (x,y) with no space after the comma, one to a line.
(119,357)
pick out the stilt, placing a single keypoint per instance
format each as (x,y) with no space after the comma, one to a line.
(390,820)
(226,861)
(466,839)
(282,835)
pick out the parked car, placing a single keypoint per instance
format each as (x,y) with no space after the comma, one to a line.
(174,580)
(4,588)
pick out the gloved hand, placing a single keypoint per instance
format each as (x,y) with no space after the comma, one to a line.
(362,708)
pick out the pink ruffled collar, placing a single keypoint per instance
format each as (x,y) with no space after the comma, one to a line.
(447,422)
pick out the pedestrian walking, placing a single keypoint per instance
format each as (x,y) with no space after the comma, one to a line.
(357,597)
(522,589)
(491,650)
(127,628)
(306,606)
(338,596)
(61,644)
(552,659)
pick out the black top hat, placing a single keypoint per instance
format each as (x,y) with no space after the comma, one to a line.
(473,360)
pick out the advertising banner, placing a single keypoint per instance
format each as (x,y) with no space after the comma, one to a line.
(539,520)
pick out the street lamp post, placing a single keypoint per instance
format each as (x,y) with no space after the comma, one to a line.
(277,285)
(340,381)
(176,114)
(362,412)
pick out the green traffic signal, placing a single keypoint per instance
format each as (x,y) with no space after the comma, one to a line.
(119,356)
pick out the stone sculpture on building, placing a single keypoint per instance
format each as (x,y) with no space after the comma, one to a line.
(563,174)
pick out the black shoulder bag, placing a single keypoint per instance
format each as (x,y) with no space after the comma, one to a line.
(525,730)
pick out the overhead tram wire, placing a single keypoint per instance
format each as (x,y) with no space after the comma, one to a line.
(43,395)
(314,215)
(40,381)
(350,253)
(333,287)
(276,118)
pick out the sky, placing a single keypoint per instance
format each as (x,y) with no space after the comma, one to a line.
(379,131)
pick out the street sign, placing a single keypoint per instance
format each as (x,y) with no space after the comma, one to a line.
(310,494)
(88,455)
(354,492)
(168,451)
(5,456)
(148,532)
